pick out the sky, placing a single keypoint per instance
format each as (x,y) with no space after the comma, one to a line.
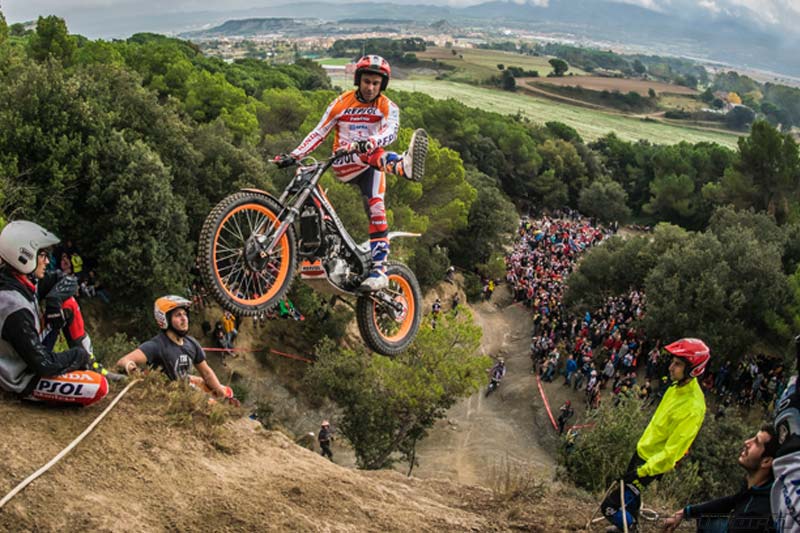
(773,15)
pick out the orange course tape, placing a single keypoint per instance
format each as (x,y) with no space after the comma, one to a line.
(276,352)
(546,403)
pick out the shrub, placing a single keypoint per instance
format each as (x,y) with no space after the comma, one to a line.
(602,453)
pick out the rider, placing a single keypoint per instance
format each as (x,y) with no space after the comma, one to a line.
(669,434)
(498,371)
(27,366)
(365,121)
(786,466)
(174,350)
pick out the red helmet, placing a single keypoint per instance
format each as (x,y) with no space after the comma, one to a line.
(374,65)
(694,352)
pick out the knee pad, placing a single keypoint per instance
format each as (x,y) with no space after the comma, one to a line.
(377,216)
(82,387)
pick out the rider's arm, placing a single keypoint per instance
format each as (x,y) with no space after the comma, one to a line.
(210,378)
(318,134)
(720,506)
(390,125)
(20,332)
(132,361)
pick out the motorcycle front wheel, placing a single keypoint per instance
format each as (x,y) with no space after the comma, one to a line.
(384,329)
(237,275)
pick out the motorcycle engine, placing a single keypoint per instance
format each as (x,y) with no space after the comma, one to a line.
(338,270)
(335,264)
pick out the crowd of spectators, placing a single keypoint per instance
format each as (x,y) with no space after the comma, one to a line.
(602,350)
(66,258)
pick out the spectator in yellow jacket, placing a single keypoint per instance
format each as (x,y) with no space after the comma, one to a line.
(669,434)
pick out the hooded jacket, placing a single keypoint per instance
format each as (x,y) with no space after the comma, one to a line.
(23,357)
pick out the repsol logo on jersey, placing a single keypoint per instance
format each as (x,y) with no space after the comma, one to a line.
(360,111)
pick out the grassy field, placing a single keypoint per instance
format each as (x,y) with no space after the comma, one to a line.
(476,64)
(623,85)
(333,61)
(591,123)
(670,101)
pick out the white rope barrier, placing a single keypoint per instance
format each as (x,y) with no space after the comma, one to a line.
(27,481)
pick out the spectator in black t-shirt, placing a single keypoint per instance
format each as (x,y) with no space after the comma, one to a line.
(747,511)
(174,351)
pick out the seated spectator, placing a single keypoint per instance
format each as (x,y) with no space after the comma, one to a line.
(77,265)
(27,366)
(66,264)
(175,351)
(229,325)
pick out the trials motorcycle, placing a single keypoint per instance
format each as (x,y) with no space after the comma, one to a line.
(251,244)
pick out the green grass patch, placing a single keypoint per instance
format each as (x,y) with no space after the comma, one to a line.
(473,64)
(334,61)
(590,123)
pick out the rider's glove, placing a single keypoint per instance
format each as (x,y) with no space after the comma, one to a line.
(54,317)
(284,160)
(364,146)
(64,289)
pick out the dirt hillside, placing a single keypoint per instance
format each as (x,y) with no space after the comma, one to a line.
(146,469)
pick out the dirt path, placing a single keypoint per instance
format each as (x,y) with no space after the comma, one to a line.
(480,435)
(530,86)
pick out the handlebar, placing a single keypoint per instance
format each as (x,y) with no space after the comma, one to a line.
(326,163)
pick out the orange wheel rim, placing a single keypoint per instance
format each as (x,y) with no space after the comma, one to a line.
(229,268)
(404,295)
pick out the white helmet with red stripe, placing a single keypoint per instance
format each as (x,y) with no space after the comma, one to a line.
(374,65)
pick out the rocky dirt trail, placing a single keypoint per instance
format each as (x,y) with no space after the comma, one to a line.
(481,435)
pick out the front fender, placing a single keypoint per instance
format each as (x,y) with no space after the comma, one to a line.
(259,191)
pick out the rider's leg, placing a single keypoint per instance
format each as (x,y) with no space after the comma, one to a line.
(410,164)
(82,387)
(372,183)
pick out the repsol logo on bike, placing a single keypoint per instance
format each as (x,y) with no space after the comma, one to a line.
(65,388)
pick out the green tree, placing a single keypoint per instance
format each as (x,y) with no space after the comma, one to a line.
(740,117)
(492,218)
(673,198)
(770,161)
(508,81)
(140,227)
(51,40)
(639,67)
(560,67)
(562,158)
(606,200)
(389,405)
(549,189)
(723,290)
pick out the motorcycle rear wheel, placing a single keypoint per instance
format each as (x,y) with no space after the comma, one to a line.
(383,331)
(242,287)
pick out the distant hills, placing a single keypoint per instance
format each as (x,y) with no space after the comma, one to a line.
(739,41)
(722,39)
